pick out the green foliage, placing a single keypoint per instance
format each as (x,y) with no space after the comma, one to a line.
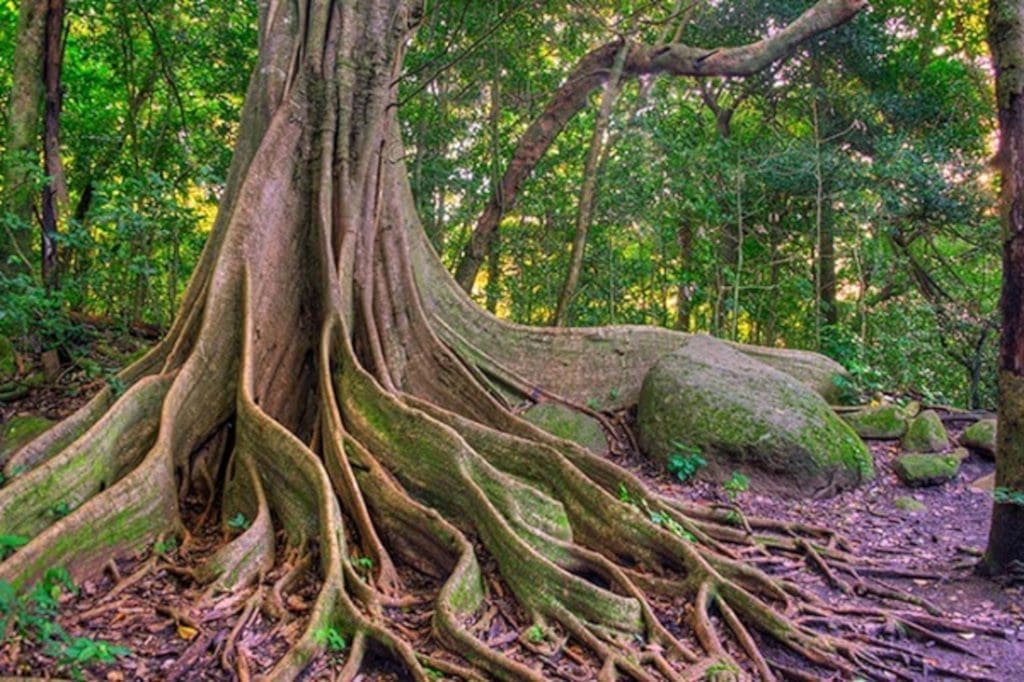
(10,543)
(535,634)
(61,509)
(685,461)
(1003,495)
(166,546)
(624,495)
(238,522)
(736,484)
(33,615)
(363,563)
(330,638)
(721,670)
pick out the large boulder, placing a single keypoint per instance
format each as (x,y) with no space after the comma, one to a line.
(745,415)
(820,373)
(981,437)
(925,433)
(570,424)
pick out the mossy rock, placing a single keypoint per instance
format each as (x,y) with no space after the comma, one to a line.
(19,431)
(918,470)
(981,437)
(925,433)
(744,415)
(908,504)
(820,373)
(883,422)
(8,362)
(570,424)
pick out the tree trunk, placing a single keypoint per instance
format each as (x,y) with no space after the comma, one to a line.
(326,378)
(21,153)
(588,190)
(1005,552)
(55,191)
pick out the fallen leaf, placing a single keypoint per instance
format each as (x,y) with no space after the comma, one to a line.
(187,633)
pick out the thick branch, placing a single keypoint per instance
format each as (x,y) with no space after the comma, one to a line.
(594,70)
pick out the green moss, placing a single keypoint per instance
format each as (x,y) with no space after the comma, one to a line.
(569,424)
(917,470)
(19,431)
(981,436)
(925,433)
(908,504)
(747,416)
(8,365)
(885,421)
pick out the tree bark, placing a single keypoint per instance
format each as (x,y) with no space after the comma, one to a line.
(55,191)
(1005,551)
(21,153)
(592,72)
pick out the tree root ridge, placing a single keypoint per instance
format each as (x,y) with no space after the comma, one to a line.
(392,480)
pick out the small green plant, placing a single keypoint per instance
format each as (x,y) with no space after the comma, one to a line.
(535,634)
(720,670)
(165,546)
(11,543)
(669,524)
(61,509)
(363,563)
(593,404)
(624,495)
(82,651)
(613,394)
(684,461)
(33,617)
(433,673)
(733,518)
(330,638)
(1003,495)
(117,386)
(737,484)
(238,522)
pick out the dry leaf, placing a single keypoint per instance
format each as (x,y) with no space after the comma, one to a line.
(187,633)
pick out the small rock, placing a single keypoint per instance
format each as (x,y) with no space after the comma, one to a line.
(981,437)
(917,470)
(985,483)
(51,365)
(884,421)
(925,433)
(569,424)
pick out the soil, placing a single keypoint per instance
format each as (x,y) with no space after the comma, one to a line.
(174,629)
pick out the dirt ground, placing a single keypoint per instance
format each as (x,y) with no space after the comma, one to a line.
(175,629)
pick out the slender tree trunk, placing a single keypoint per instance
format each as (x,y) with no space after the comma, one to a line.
(21,155)
(1005,552)
(684,287)
(588,191)
(55,191)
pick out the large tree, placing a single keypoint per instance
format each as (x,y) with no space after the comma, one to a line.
(1005,552)
(326,376)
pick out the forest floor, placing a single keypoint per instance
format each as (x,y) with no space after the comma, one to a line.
(151,605)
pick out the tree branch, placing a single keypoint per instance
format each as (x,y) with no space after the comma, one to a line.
(593,70)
